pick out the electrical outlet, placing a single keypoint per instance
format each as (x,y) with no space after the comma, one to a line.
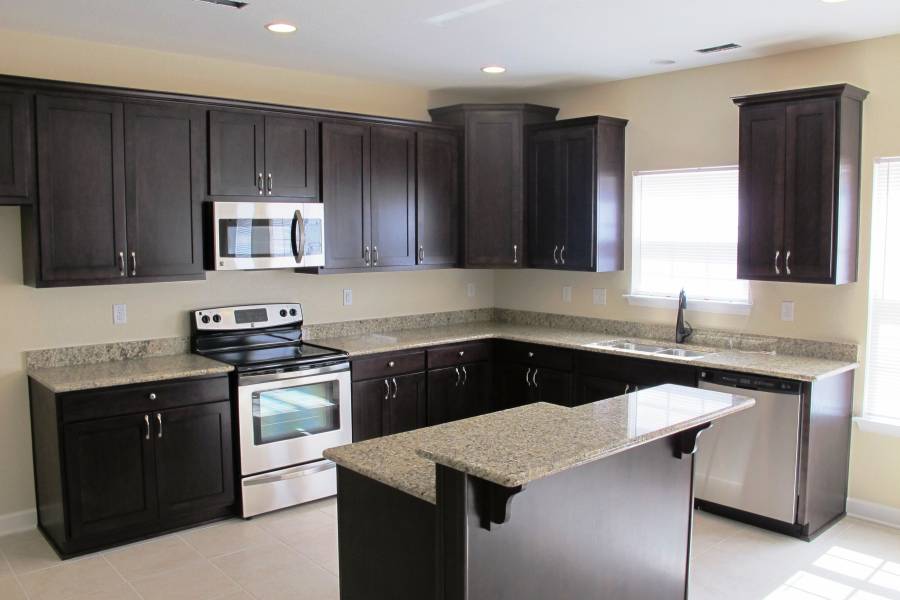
(600,296)
(120,314)
(567,294)
(470,290)
(787,310)
(348,297)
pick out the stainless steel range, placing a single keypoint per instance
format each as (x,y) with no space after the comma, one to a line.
(293,401)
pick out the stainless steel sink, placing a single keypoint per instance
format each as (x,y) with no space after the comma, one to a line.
(639,348)
(681,353)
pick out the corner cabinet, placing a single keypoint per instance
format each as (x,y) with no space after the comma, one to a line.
(121,186)
(575,194)
(119,464)
(16,148)
(493,215)
(799,185)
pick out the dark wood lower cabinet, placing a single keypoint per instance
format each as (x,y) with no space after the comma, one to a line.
(368,408)
(458,392)
(388,405)
(104,478)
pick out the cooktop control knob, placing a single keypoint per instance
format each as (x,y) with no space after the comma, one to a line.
(283,313)
(217,318)
(205,318)
(293,312)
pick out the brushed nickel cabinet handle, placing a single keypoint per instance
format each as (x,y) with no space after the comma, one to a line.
(159,421)
(366,255)
(534,378)
(147,425)
(787,262)
(527,375)
(457,378)
(465,376)
(391,364)
(555,260)
(562,255)
(121,264)
(374,256)
(777,256)
(259,184)
(387,389)
(461,352)
(133,263)
(421,254)
(515,254)
(152,396)
(269,184)
(396,387)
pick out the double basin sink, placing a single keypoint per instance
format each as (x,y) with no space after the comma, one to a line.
(649,349)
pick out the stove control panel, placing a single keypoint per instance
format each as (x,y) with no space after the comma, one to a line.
(254,316)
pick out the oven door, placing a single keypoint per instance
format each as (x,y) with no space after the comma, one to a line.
(268,235)
(287,419)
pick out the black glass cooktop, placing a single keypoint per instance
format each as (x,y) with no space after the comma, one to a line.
(276,356)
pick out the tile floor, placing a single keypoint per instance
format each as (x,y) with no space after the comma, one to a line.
(293,554)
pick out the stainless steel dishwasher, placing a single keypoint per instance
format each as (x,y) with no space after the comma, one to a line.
(749,461)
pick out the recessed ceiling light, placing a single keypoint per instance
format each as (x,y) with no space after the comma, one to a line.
(662,61)
(494,69)
(281,28)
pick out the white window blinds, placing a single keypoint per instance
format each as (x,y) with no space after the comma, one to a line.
(883,357)
(685,234)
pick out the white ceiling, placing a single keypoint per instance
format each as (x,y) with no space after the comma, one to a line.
(443,43)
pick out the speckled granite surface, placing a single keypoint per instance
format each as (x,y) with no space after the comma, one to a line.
(125,372)
(514,447)
(368,326)
(802,368)
(101,353)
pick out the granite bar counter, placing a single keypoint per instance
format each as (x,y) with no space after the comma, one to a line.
(540,501)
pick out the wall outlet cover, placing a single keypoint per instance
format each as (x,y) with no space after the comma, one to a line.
(348,297)
(470,290)
(600,296)
(120,314)
(787,310)
(567,294)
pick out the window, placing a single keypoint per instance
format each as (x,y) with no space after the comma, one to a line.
(685,235)
(883,356)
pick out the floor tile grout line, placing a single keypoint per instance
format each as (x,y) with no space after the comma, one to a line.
(15,576)
(229,577)
(122,577)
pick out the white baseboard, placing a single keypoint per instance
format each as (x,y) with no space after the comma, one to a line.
(871,511)
(18,521)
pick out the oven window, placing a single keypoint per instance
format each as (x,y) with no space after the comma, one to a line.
(255,238)
(295,412)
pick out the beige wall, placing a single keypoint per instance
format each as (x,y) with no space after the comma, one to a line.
(685,119)
(34,318)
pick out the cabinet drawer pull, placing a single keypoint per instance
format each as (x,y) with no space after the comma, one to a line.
(466,376)
(147,425)
(562,255)
(534,378)
(555,260)
(391,364)
(259,184)
(777,256)
(461,352)
(269,184)
(152,396)
(387,389)
(133,263)
(787,262)
(531,355)
(527,375)
(159,422)
(121,264)
(457,377)
(396,387)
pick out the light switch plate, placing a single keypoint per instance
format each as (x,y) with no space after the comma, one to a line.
(787,310)
(120,314)
(600,296)
(567,294)
(470,290)
(348,297)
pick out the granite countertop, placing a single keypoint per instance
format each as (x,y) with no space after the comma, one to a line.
(520,445)
(800,368)
(125,372)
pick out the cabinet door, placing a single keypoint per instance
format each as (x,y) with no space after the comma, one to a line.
(236,141)
(577,209)
(368,408)
(345,193)
(82,189)
(194,461)
(393,196)
(809,190)
(494,219)
(546,203)
(476,389)
(110,478)
(761,193)
(15,148)
(437,209)
(591,389)
(444,397)
(164,163)
(405,409)
(292,157)
(550,385)
(513,385)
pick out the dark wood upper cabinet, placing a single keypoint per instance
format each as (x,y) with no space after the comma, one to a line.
(438,198)
(346,193)
(81,209)
(164,165)
(799,185)
(292,157)
(576,174)
(16,161)
(494,179)
(236,153)
(393,210)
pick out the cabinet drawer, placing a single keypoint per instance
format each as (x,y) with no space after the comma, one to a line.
(635,371)
(535,355)
(388,365)
(458,354)
(108,402)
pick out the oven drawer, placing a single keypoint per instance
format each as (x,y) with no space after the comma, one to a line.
(288,487)
(145,397)
(458,354)
(388,365)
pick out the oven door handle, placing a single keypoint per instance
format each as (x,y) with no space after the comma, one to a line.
(292,474)
(299,377)
(298,234)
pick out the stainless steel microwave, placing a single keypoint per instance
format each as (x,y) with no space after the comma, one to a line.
(267,235)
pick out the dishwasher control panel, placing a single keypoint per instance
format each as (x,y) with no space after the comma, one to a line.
(751,382)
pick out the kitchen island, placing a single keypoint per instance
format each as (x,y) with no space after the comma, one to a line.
(540,501)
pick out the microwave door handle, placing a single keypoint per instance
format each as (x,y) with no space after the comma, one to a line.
(298,235)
